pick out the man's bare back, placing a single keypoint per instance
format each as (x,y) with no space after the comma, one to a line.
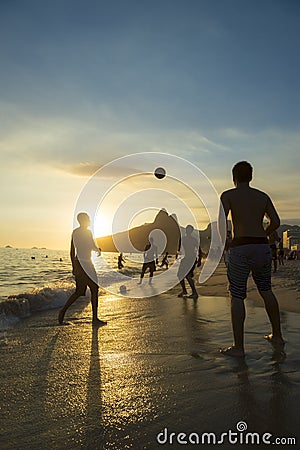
(248,208)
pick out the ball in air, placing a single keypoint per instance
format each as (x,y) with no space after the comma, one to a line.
(160,173)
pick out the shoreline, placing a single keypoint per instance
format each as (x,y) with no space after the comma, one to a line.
(285,285)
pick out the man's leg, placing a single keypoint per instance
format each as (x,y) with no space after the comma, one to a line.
(80,290)
(238,315)
(262,278)
(192,285)
(142,273)
(237,272)
(184,291)
(152,269)
(94,300)
(272,309)
(151,275)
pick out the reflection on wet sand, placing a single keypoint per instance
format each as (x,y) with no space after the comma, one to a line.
(156,383)
(264,407)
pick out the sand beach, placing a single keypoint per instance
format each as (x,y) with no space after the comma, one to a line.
(285,283)
(153,370)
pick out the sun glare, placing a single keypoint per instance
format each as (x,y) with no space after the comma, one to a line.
(102,226)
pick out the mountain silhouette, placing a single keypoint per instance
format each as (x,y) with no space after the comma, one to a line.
(139,236)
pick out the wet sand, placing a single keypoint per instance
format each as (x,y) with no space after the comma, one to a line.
(285,284)
(155,365)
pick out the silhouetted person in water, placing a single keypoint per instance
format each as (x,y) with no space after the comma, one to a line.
(280,252)
(150,257)
(165,261)
(120,261)
(273,239)
(250,252)
(188,263)
(200,256)
(82,244)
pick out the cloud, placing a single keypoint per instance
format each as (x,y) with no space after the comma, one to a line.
(81,146)
(83,169)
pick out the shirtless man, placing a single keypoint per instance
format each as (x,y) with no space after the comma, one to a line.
(150,257)
(82,244)
(250,252)
(187,265)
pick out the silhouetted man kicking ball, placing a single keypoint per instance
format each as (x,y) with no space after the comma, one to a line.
(250,252)
(82,245)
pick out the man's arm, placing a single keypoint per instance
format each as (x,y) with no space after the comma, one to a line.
(94,247)
(72,252)
(225,202)
(223,213)
(273,217)
(73,256)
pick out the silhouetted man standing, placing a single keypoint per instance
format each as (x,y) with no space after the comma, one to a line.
(150,257)
(187,265)
(250,252)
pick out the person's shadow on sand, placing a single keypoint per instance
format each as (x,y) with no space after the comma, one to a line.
(94,430)
(38,394)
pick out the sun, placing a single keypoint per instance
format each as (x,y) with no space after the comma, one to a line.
(102,225)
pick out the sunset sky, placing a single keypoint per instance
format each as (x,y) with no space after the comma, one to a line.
(85,82)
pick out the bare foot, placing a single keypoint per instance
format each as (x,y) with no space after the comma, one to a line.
(275,340)
(98,322)
(233,351)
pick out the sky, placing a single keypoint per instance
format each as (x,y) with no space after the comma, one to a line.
(85,82)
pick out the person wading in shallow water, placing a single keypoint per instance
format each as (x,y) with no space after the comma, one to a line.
(82,244)
(187,264)
(250,252)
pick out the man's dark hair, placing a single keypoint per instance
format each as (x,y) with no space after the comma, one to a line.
(242,172)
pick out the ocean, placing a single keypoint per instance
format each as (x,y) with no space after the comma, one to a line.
(34,280)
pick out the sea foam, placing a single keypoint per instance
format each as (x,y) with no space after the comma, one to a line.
(16,307)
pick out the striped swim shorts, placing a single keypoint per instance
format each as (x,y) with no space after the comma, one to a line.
(246,259)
